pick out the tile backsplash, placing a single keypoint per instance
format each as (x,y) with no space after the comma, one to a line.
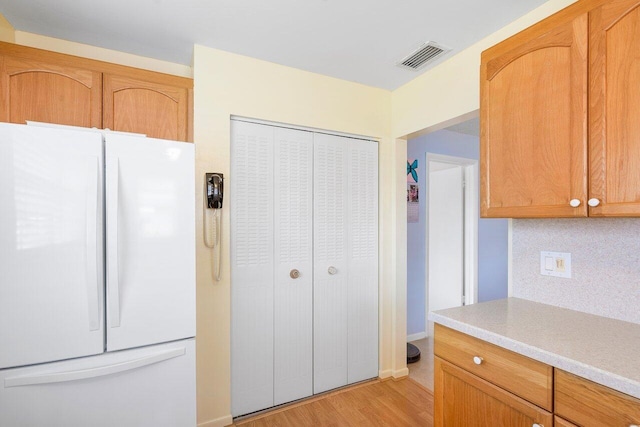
(605,255)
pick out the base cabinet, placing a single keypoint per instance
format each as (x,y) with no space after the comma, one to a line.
(589,404)
(462,399)
(561,422)
(475,393)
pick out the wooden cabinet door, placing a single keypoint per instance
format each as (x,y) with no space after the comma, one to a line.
(533,123)
(137,105)
(614,108)
(462,399)
(44,91)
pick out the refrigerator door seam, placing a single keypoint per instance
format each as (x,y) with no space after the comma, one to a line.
(92,243)
(112,245)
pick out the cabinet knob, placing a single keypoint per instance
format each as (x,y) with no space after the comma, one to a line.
(477,360)
(575,203)
(633,425)
(593,202)
(294,274)
(332,270)
(537,425)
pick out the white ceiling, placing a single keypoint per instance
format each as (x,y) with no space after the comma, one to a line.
(356,40)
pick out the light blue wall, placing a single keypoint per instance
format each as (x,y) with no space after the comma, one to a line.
(492,233)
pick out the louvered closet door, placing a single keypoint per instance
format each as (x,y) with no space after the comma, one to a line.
(252,267)
(293,251)
(330,296)
(362,251)
(345,261)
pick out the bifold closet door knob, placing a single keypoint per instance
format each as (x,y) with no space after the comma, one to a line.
(294,274)
(332,270)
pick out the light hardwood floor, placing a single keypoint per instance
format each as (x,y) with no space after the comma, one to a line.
(422,370)
(378,403)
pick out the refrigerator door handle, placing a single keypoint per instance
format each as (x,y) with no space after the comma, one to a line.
(93,193)
(113,278)
(100,371)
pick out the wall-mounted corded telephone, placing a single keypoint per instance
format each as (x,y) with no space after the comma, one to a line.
(214,192)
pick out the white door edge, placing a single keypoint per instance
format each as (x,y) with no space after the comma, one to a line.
(470,168)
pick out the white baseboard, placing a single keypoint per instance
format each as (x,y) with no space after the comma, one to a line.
(385,374)
(395,374)
(415,337)
(401,373)
(218,422)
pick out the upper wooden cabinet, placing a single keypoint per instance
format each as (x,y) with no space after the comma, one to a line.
(559,101)
(155,109)
(48,92)
(55,88)
(534,119)
(614,108)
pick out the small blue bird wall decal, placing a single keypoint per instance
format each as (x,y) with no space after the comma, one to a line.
(411,169)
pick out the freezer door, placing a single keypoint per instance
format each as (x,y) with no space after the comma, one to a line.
(51,269)
(150,260)
(150,386)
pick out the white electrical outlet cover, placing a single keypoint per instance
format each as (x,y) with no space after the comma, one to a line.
(559,266)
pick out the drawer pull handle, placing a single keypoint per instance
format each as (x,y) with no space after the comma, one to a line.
(477,360)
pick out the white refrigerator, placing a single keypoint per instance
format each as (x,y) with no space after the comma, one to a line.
(97,279)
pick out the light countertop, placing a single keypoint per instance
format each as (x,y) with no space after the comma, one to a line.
(603,350)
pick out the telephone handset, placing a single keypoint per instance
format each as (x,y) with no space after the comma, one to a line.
(215,190)
(214,187)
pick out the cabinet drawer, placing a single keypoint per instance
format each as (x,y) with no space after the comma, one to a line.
(589,404)
(522,376)
(463,399)
(561,422)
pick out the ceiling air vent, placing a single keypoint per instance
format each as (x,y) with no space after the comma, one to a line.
(425,54)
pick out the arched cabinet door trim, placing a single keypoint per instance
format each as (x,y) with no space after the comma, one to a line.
(158,110)
(533,123)
(49,92)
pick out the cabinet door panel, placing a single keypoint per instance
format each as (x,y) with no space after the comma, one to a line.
(154,109)
(462,399)
(51,93)
(533,126)
(614,40)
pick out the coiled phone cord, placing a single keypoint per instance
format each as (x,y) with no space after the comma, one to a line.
(216,255)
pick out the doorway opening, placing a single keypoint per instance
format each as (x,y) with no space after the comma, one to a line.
(451,233)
